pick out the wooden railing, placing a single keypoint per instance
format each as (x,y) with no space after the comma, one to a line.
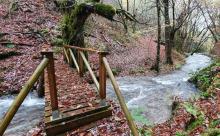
(104,69)
(48,63)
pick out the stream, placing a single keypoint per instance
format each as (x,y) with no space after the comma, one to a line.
(148,98)
(28,116)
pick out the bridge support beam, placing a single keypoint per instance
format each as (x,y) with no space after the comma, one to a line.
(102,77)
(52,84)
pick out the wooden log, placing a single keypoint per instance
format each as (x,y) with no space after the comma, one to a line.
(76,122)
(51,80)
(69,56)
(81,65)
(90,70)
(81,49)
(66,55)
(121,99)
(102,75)
(22,95)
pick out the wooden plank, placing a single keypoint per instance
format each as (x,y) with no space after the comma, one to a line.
(77,114)
(67,57)
(51,80)
(81,65)
(102,76)
(81,49)
(64,110)
(74,123)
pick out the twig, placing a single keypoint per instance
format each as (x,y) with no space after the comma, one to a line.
(106,39)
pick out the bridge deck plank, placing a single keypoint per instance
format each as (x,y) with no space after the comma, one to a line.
(77,104)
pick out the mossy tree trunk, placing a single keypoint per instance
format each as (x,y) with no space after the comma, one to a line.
(73,21)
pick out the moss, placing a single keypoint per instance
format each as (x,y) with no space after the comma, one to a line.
(212,132)
(106,11)
(137,70)
(204,78)
(195,123)
(214,123)
(57,42)
(57,49)
(116,71)
(137,114)
(198,117)
(181,133)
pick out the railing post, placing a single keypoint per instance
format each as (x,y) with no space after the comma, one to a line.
(52,83)
(102,75)
(81,65)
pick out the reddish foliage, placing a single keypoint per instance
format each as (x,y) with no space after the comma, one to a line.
(29,18)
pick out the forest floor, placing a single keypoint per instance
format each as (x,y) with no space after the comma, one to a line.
(27,26)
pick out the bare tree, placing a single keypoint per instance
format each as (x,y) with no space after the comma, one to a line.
(157,62)
(211,16)
(178,22)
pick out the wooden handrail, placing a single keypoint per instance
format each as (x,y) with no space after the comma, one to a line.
(121,99)
(90,70)
(22,95)
(66,54)
(74,60)
(103,68)
(81,49)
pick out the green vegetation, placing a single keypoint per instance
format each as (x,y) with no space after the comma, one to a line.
(212,132)
(145,131)
(137,114)
(190,108)
(203,78)
(106,11)
(207,80)
(198,116)
(116,71)
(57,42)
(214,123)
(178,66)
(181,133)
(10,45)
(137,70)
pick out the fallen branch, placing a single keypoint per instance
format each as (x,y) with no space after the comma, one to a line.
(21,44)
(106,39)
(17,33)
(5,55)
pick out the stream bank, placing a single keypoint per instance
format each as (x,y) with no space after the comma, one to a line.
(199,116)
(150,99)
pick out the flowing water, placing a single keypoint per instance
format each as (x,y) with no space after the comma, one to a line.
(27,117)
(150,98)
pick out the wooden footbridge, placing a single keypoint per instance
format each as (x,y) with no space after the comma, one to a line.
(80,110)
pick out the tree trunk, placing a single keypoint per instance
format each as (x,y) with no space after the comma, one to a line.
(168,47)
(73,22)
(157,62)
